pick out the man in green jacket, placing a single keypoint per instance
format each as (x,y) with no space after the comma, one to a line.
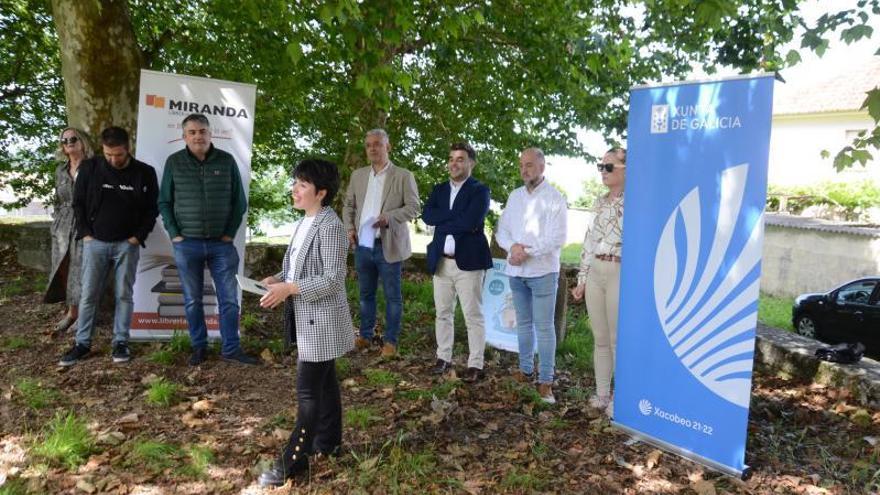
(202,203)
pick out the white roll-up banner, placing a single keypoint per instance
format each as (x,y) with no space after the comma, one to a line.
(165,99)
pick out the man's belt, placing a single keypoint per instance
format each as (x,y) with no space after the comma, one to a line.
(608,257)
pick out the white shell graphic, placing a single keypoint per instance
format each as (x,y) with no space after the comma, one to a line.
(687,325)
(645,407)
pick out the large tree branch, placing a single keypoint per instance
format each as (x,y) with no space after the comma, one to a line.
(149,55)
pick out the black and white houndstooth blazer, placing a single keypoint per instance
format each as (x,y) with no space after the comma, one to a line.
(324,328)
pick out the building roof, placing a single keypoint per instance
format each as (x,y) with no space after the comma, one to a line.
(841,92)
(818,224)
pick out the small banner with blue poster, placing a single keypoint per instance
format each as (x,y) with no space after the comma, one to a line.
(498,311)
(692,237)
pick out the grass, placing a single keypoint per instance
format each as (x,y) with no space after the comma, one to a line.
(153,456)
(249,321)
(198,458)
(558,423)
(163,357)
(381,378)
(179,343)
(775,312)
(571,253)
(34,394)
(522,481)
(22,284)
(441,391)
(343,368)
(527,393)
(67,441)
(576,351)
(361,416)
(162,393)
(14,486)
(14,343)
(281,421)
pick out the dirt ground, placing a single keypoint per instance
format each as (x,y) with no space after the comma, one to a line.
(406,430)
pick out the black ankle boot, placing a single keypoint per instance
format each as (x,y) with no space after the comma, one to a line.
(293,461)
(275,475)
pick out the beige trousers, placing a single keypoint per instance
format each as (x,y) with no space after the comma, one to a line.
(602,295)
(450,282)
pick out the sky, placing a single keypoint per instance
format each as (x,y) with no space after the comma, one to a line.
(570,173)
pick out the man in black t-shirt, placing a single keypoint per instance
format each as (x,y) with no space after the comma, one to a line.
(114,202)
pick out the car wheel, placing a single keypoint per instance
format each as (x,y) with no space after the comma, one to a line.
(806,326)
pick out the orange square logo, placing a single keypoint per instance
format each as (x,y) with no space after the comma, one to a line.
(155,101)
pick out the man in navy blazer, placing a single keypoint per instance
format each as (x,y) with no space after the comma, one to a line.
(459,256)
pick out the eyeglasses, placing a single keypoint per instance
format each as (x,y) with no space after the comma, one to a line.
(608,167)
(70,140)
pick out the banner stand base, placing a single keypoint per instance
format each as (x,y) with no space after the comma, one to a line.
(745,473)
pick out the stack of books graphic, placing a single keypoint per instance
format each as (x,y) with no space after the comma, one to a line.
(170,289)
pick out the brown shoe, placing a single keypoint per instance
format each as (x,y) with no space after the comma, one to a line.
(473,375)
(361,343)
(389,350)
(520,377)
(545,390)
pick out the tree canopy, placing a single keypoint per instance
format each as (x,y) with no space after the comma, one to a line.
(501,74)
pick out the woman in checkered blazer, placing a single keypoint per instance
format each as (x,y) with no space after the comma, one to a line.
(312,286)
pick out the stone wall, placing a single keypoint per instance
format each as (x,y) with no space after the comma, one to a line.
(815,258)
(797,259)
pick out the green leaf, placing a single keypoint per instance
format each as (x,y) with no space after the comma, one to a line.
(872,103)
(861,156)
(821,47)
(792,58)
(479,18)
(294,51)
(327,14)
(842,161)
(856,33)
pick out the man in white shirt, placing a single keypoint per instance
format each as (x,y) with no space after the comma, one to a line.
(458,257)
(532,230)
(379,203)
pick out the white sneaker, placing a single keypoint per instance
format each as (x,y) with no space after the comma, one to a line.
(599,401)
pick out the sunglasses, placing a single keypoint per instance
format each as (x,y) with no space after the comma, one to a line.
(70,140)
(608,167)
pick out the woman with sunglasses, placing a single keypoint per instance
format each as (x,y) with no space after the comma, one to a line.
(599,275)
(64,282)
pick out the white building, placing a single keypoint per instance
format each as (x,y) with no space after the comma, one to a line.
(816,114)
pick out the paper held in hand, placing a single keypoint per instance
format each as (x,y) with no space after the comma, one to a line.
(251,285)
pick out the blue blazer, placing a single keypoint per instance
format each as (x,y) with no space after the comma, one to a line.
(464,221)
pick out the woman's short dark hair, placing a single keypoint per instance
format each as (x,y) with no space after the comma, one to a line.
(322,174)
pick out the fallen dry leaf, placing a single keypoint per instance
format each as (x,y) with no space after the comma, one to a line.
(704,487)
(128,419)
(203,405)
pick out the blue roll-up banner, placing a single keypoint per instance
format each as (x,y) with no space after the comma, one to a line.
(696,184)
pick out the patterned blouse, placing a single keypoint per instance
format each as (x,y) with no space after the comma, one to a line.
(605,234)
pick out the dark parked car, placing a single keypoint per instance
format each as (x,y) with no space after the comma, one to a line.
(849,313)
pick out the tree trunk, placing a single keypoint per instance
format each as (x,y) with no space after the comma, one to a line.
(100,63)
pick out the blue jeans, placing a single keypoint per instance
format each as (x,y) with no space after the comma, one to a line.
(534,299)
(98,258)
(191,256)
(370,265)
